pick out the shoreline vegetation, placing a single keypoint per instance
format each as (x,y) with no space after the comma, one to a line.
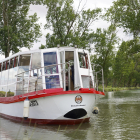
(107,89)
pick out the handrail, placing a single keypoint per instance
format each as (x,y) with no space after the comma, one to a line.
(41,68)
(32,83)
(101,70)
(36,78)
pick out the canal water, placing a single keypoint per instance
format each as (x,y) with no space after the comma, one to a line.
(118,119)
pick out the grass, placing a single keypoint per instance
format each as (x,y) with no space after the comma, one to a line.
(109,88)
(9,93)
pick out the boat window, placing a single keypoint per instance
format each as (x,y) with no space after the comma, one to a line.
(52,81)
(11,63)
(8,64)
(0,78)
(69,57)
(23,72)
(0,75)
(36,64)
(50,58)
(86,80)
(36,60)
(36,72)
(83,60)
(3,68)
(15,61)
(24,62)
(12,78)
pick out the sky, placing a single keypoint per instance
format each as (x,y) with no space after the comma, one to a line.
(41,12)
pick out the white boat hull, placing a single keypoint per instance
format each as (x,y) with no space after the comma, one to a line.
(51,109)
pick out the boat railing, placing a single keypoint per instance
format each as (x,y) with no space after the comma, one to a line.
(95,73)
(33,81)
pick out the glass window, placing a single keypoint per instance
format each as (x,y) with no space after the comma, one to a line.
(24,62)
(36,72)
(3,68)
(11,63)
(36,60)
(15,61)
(86,80)
(83,60)
(7,64)
(52,81)
(12,78)
(36,64)
(50,58)
(23,71)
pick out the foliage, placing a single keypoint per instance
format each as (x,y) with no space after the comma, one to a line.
(69,27)
(2,93)
(9,93)
(17,29)
(126,68)
(126,14)
(104,44)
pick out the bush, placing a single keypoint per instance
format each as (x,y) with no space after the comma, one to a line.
(2,93)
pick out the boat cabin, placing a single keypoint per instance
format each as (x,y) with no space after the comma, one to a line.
(65,67)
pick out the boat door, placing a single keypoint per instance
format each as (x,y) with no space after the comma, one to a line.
(85,70)
(67,61)
(62,62)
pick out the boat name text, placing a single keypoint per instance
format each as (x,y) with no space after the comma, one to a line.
(33,103)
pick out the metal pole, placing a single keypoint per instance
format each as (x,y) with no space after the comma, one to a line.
(89,74)
(64,79)
(22,83)
(69,75)
(93,76)
(36,82)
(103,79)
(96,82)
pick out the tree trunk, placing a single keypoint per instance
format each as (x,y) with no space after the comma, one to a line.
(5,19)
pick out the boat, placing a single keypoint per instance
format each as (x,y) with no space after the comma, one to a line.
(58,83)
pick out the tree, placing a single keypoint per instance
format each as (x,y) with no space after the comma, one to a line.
(126,67)
(104,43)
(17,29)
(69,27)
(126,14)
(123,65)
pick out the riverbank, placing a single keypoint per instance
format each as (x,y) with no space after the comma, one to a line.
(107,89)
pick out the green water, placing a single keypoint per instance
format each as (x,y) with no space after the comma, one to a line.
(118,119)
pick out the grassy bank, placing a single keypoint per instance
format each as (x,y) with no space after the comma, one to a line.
(2,94)
(107,89)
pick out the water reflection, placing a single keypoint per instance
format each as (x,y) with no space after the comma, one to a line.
(118,118)
(10,130)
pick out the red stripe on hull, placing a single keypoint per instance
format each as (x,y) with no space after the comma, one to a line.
(45,93)
(46,121)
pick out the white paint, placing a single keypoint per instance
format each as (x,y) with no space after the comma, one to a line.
(26,108)
(52,107)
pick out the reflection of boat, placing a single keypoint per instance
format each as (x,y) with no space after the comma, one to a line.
(16,131)
(41,76)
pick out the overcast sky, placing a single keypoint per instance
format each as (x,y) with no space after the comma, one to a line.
(41,12)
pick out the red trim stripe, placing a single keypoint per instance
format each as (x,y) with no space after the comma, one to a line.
(45,93)
(46,121)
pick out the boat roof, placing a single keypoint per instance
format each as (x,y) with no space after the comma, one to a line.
(43,50)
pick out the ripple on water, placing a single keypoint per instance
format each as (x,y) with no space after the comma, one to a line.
(118,119)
